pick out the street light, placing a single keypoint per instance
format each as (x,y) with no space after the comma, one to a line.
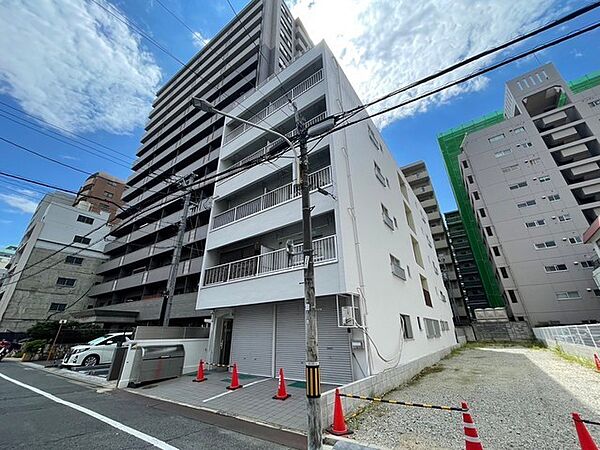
(313,376)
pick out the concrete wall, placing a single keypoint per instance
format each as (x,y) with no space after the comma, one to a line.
(502,331)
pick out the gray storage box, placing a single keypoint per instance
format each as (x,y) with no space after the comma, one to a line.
(159,362)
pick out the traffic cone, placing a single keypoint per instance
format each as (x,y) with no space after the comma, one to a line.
(281,392)
(235,382)
(585,439)
(339,427)
(472,441)
(597,361)
(200,375)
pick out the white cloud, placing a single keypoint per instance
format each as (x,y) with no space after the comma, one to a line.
(385,44)
(22,203)
(71,63)
(199,40)
(69,157)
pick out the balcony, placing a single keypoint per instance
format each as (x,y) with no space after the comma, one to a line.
(279,103)
(318,179)
(325,251)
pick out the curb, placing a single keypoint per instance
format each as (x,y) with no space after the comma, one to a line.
(75,376)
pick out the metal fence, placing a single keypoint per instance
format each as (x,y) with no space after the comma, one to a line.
(586,335)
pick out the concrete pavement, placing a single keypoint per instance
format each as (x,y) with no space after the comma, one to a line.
(111,420)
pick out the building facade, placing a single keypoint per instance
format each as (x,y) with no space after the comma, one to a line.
(178,141)
(418,178)
(101,192)
(40,284)
(533,181)
(381,298)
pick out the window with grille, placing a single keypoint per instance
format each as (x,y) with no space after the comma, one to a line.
(556,268)
(74,260)
(407,331)
(65,281)
(85,219)
(81,240)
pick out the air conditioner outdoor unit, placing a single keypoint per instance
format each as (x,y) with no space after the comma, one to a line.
(348,312)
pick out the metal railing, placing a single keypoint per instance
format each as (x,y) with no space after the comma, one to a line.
(277,104)
(586,335)
(267,148)
(318,179)
(272,262)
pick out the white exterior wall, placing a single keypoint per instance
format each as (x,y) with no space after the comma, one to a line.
(364,241)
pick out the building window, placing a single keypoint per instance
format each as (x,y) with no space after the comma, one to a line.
(587,264)
(426,294)
(553,198)
(59,307)
(544,179)
(496,138)
(496,250)
(535,223)
(526,204)
(568,295)
(104,207)
(108,194)
(519,185)
(432,328)
(81,240)
(74,260)
(556,268)
(597,292)
(476,195)
(488,231)
(594,103)
(470,179)
(419,323)
(501,153)
(534,161)
(379,175)
(575,240)
(373,138)
(519,130)
(397,269)
(503,272)
(85,219)
(111,183)
(70,282)
(544,245)
(407,331)
(482,212)
(524,145)
(386,217)
(564,217)
(465,164)
(512,296)
(510,168)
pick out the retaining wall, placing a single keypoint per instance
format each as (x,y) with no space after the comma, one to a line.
(576,340)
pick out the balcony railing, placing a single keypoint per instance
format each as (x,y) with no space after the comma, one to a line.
(279,103)
(318,179)
(267,148)
(268,263)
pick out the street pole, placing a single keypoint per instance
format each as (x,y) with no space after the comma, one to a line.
(167,303)
(313,378)
(61,322)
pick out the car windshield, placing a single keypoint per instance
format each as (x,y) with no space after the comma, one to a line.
(97,340)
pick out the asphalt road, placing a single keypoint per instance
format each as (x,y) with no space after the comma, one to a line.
(93,419)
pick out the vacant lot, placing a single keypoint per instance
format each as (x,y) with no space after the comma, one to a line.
(519,397)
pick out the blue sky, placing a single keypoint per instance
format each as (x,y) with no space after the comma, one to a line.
(75,65)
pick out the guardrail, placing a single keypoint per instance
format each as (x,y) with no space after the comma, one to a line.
(272,262)
(586,335)
(277,104)
(318,179)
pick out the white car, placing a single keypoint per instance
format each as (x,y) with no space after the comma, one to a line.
(97,351)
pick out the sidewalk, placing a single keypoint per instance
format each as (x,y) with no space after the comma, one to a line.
(253,402)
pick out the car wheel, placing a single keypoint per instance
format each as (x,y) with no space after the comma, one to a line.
(90,361)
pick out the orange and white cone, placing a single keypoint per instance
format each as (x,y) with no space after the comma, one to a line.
(235,382)
(597,361)
(200,375)
(585,438)
(339,427)
(281,391)
(472,441)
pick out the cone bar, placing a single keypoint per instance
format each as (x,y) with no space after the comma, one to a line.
(597,361)
(585,438)
(200,375)
(235,382)
(339,427)
(472,441)
(281,392)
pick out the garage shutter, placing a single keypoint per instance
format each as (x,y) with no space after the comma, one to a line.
(252,339)
(334,343)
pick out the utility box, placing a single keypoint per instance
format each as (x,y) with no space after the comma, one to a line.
(158,362)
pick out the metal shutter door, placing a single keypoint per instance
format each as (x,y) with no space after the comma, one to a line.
(334,343)
(252,339)
(334,346)
(290,345)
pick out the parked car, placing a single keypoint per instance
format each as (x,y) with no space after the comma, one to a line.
(97,351)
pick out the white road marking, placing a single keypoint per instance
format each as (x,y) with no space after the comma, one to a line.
(229,392)
(113,423)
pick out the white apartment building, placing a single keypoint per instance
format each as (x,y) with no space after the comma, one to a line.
(381,299)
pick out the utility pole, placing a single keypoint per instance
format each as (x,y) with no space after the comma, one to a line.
(313,376)
(167,303)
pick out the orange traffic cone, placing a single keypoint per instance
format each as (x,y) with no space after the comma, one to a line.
(472,441)
(597,361)
(281,392)
(585,439)
(200,375)
(235,382)
(339,427)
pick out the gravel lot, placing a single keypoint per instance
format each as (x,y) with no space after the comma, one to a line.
(519,398)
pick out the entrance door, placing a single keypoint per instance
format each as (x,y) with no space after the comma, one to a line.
(225,344)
